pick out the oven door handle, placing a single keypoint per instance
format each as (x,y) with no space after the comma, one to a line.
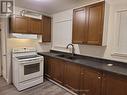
(30,62)
(39,60)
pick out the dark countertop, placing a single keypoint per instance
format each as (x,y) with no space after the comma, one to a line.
(119,68)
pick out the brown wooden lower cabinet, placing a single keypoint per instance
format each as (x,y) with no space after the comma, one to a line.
(72,76)
(54,69)
(90,82)
(48,67)
(58,70)
(83,80)
(114,85)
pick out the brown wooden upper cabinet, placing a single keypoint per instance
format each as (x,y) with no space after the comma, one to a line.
(35,26)
(27,25)
(88,24)
(95,23)
(19,24)
(79,26)
(46,28)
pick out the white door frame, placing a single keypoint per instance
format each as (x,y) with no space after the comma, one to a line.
(4,27)
(0,50)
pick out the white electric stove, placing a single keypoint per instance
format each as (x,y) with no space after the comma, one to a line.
(27,68)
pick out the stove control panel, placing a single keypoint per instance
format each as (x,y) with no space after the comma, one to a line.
(24,49)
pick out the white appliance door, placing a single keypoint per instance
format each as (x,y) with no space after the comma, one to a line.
(30,69)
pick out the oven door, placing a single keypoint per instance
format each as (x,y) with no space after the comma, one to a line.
(30,69)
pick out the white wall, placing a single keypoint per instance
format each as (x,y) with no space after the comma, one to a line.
(62,23)
(62,36)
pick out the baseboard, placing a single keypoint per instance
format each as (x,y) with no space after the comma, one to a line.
(62,86)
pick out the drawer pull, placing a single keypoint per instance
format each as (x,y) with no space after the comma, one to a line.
(87,90)
(99,77)
(82,73)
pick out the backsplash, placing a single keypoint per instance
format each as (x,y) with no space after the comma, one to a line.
(94,51)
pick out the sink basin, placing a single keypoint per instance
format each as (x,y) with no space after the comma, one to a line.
(67,56)
(62,55)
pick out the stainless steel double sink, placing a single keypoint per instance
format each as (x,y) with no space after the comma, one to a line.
(67,56)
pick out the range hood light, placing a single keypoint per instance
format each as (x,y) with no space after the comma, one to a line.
(24,36)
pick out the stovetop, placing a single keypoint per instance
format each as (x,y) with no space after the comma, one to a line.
(27,57)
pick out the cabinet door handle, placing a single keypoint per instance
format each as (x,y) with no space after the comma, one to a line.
(4,55)
(82,42)
(87,90)
(99,77)
(82,73)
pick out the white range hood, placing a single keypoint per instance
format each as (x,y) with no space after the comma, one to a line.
(24,36)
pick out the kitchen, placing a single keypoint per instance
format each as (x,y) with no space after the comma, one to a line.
(79,47)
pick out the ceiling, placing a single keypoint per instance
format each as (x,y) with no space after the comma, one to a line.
(48,6)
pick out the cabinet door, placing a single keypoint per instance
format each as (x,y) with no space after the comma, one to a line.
(72,76)
(48,67)
(79,26)
(46,26)
(95,23)
(19,24)
(58,70)
(35,26)
(114,85)
(90,82)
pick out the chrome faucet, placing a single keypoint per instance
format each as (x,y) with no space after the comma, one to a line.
(73,49)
